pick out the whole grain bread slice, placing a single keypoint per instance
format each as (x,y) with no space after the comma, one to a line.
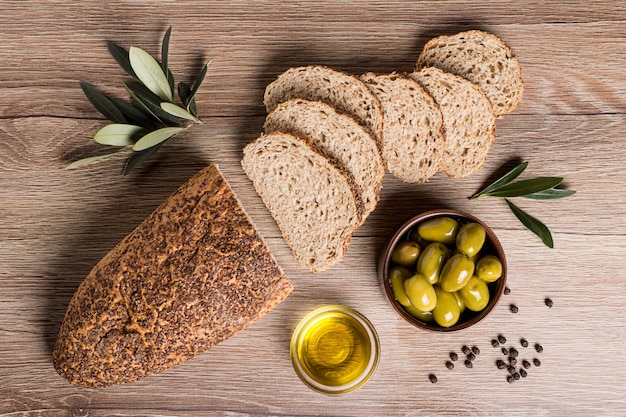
(468,120)
(339,137)
(343,91)
(412,136)
(314,202)
(191,275)
(482,58)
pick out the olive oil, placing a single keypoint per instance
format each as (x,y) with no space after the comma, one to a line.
(334,349)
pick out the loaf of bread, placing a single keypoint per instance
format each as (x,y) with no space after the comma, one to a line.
(339,137)
(193,274)
(314,201)
(412,139)
(482,58)
(469,123)
(345,92)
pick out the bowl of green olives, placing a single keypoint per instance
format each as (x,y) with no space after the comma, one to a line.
(443,270)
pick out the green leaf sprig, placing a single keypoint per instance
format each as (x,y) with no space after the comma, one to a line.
(539,188)
(152,117)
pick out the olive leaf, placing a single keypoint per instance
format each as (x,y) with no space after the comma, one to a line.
(532,224)
(151,109)
(184,92)
(165,46)
(149,72)
(178,111)
(102,103)
(120,55)
(525,187)
(198,82)
(505,179)
(551,194)
(88,161)
(131,113)
(155,137)
(118,134)
(137,158)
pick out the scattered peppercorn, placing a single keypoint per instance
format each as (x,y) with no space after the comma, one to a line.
(513,308)
(525,364)
(471,356)
(538,348)
(516,376)
(523,373)
(524,342)
(468,363)
(500,364)
(475,350)
(537,362)
(512,360)
(449,365)
(510,379)
(549,302)
(432,378)
(505,351)
(465,349)
(495,343)
(454,356)
(507,291)
(511,369)
(501,339)
(513,352)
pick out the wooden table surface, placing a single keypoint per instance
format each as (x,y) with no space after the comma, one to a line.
(56,224)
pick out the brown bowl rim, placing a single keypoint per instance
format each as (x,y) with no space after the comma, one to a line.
(385,260)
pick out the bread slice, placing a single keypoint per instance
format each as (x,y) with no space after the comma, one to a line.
(191,275)
(314,202)
(412,137)
(339,137)
(468,120)
(482,58)
(343,91)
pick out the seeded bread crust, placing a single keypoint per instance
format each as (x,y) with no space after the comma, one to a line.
(313,200)
(193,274)
(339,137)
(482,58)
(345,92)
(468,120)
(413,140)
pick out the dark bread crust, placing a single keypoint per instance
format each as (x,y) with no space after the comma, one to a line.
(191,275)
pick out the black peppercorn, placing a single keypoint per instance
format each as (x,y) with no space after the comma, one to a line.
(516,376)
(549,302)
(465,349)
(537,362)
(525,364)
(449,365)
(468,363)
(513,308)
(511,369)
(512,360)
(471,356)
(500,364)
(454,356)
(510,379)
(523,342)
(505,351)
(538,348)
(523,373)
(513,352)
(501,339)
(495,343)
(475,350)
(432,378)
(507,291)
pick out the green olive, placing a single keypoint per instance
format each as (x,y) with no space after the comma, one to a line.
(446,312)
(397,276)
(425,316)
(459,301)
(470,239)
(456,272)
(439,229)
(405,253)
(489,268)
(420,292)
(431,260)
(475,294)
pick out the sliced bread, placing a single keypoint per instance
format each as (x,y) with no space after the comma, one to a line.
(314,202)
(468,120)
(343,91)
(482,58)
(412,137)
(339,137)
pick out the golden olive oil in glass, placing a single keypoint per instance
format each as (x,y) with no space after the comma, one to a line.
(334,349)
